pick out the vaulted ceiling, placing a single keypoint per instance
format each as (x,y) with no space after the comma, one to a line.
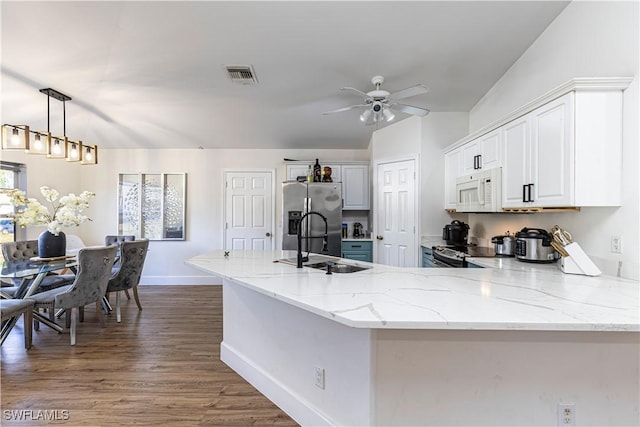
(152,74)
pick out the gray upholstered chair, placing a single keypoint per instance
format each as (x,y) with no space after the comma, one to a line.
(112,239)
(116,240)
(10,311)
(22,251)
(132,256)
(89,286)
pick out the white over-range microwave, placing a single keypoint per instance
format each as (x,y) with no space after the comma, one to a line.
(480,191)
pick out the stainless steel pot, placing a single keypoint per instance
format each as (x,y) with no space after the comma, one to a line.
(534,245)
(504,245)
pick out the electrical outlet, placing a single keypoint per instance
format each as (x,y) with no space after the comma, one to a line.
(616,244)
(566,414)
(320,378)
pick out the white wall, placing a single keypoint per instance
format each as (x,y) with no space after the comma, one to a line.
(438,131)
(204,168)
(588,39)
(397,141)
(55,173)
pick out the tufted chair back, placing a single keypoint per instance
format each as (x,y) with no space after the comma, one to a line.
(132,256)
(22,251)
(90,284)
(19,251)
(116,240)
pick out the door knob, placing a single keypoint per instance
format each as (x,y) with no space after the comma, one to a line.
(379,237)
(268,234)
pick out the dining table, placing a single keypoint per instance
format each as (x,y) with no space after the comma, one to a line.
(30,274)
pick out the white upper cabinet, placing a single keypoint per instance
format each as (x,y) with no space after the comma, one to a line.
(482,153)
(515,171)
(566,153)
(562,150)
(452,170)
(296,170)
(355,187)
(538,167)
(354,177)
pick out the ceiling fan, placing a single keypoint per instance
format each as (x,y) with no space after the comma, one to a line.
(380,104)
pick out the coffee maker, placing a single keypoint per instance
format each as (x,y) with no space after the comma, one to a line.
(357,230)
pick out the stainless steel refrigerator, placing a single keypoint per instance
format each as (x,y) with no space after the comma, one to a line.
(298,198)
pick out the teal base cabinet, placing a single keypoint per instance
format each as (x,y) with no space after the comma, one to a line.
(427,257)
(360,251)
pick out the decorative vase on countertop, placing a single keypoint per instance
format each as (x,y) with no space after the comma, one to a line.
(51,246)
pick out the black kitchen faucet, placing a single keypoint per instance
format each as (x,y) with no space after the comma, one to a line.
(324,238)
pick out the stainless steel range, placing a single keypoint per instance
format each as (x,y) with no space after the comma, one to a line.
(456,256)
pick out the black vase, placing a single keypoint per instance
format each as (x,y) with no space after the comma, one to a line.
(51,246)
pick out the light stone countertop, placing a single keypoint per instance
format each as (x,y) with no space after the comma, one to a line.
(514,297)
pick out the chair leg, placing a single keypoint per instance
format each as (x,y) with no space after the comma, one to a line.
(81,313)
(6,328)
(99,314)
(36,324)
(67,318)
(118,316)
(72,329)
(126,292)
(135,296)
(28,320)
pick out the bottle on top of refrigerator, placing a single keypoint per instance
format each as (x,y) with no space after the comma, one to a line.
(317,172)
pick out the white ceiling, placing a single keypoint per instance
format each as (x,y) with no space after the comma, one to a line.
(151,74)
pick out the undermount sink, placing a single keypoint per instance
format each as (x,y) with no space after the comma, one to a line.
(337,267)
(320,262)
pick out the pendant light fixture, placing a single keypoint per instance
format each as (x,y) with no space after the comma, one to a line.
(55,147)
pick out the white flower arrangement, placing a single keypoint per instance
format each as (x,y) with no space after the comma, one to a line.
(67,212)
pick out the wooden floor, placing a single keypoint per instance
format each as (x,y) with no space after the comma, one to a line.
(160,366)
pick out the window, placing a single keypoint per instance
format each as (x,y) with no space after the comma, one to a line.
(11,176)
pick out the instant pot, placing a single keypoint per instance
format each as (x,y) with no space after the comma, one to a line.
(455,234)
(534,245)
(504,245)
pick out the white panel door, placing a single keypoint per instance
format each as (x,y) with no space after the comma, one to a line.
(248,211)
(396,216)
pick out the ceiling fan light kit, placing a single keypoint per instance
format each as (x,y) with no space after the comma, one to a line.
(380,104)
(54,147)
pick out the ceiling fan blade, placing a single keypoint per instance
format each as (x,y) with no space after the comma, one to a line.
(359,92)
(409,92)
(409,109)
(339,110)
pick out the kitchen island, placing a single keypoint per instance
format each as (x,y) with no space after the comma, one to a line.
(392,346)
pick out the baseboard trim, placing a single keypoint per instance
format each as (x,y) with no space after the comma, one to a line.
(296,407)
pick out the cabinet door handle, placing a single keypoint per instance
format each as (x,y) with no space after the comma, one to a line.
(379,237)
(475,162)
(479,161)
(356,246)
(524,193)
(530,198)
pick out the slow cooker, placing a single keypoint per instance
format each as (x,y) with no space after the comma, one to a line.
(534,245)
